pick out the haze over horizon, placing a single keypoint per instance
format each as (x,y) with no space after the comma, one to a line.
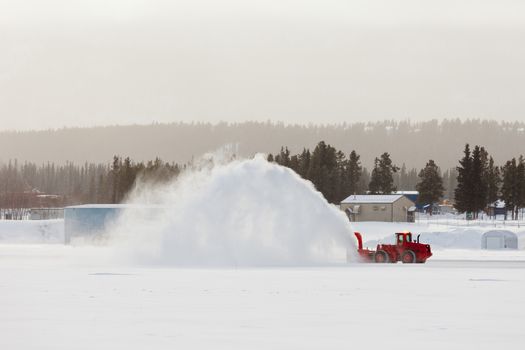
(85,63)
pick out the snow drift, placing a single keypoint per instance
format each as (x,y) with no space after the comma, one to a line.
(31,231)
(243,213)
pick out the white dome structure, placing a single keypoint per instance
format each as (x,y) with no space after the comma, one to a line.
(499,239)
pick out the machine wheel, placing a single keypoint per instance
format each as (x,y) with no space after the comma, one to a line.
(381,257)
(408,257)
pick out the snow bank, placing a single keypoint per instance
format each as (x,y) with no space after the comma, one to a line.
(244,213)
(31,231)
(438,236)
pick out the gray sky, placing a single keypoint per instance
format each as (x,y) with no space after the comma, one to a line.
(78,63)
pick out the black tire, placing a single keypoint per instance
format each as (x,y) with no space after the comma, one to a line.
(408,257)
(381,257)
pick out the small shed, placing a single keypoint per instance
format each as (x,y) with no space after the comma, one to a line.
(499,239)
(96,220)
(89,219)
(389,208)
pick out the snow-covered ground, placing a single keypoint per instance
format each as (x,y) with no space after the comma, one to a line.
(55,296)
(441,234)
(31,231)
(63,297)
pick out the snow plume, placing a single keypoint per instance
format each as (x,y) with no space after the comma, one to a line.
(234,213)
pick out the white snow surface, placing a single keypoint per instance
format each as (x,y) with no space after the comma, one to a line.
(439,236)
(32,231)
(63,297)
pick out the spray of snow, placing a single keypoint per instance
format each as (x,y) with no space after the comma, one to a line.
(235,213)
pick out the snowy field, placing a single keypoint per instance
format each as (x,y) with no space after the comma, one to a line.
(134,289)
(62,297)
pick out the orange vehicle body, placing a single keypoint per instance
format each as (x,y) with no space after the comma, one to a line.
(405,250)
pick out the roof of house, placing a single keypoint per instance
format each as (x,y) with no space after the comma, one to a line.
(372,198)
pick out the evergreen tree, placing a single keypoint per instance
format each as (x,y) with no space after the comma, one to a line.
(374,187)
(478,179)
(115,175)
(520,173)
(430,185)
(353,173)
(510,186)
(304,163)
(127,175)
(294,163)
(283,158)
(463,193)
(322,170)
(339,178)
(382,175)
(493,179)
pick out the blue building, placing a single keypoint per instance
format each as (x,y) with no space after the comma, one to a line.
(94,220)
(90,219)
(412,195)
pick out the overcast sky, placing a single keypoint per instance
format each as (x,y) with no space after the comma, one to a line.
(97,62)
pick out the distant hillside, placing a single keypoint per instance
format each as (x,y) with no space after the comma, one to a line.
(409,142)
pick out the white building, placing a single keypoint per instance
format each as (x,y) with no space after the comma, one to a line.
(499,239)
(390,208)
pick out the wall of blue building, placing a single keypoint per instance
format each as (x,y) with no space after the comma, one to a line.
(89,220)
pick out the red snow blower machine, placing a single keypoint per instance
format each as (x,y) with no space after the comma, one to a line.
(404,250)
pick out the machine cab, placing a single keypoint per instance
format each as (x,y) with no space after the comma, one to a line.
(403,237)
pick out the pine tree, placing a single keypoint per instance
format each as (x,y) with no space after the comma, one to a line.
(115,174)
(382,181)
(520,173)
(283,158)
(493,179)
(353,173)
(339,178)
(464,190)
(294,163)
(374,187)
(478,179)
(509,188)
(430,185)
(322,170)
(304,163)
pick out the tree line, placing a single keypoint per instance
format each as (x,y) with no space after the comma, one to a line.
(473,185)
(481,183)
(51,185)
(337,175)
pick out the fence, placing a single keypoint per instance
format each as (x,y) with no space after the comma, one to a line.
(31,213)
(461,220)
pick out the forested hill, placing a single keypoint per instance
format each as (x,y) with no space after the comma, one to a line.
(412,143)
